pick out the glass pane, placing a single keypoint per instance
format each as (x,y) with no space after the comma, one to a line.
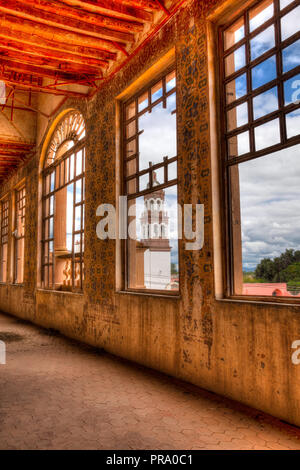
(285,3)
(264,72)
(130,110)
(234,33)
(236,88)
(143,101)
(50,234)
(153,261)
(293,124)
(51,205)
(291,56)
(144,182)
(290,23)
(260,14)
(265,103)
(79,163)
(78,191)
(159,137)
(262,43)
(72,158)
(171,81)
(235,61)
(131,129)
(131,167)
(267,134)
(237,116)
(131,186)
(77,218)
(131,148)
(172,171)
(292,90)
(239,145)
(156,92)
(158,176)
(266,224)
(52,179)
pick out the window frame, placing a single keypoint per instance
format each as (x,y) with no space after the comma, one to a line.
(17,191)
(225,161)
(164,164)
(5,200)
(52,169)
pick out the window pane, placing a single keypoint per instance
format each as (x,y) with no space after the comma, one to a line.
(293,123)
(267,224)
(267,134)
(131,167)
(264,72)
(291,56)
(131,148)
(260,14)
(263,42)
(171,81)
(172,171)
(158,139)
(235,61)
(239,145)
(290,23)
(265,103)
(144,182)
(237,116)
(130,110)
(234,33)
(152,243)
(131,129)
(78,191)
(143,102)
(285,3)
(236,88)
(131,186)
(156,92)
(292,90)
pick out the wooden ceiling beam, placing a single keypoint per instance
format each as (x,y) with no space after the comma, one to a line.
(55,6)
(16,144)
(54,45)
(16,9)
(13,66)
(41,89)
(47,63)
(15,25)
(112,8)
(45,53)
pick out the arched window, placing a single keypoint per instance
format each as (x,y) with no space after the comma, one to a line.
(63,206)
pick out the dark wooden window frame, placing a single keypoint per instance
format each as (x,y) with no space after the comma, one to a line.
(61,171)
(226,162)
(20,204)
(124,122)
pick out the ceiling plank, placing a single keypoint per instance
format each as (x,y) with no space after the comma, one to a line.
(35,39)
(41,89)
(44,52)
(55,6)
(13,66)
(113,8)
(49,32)
(47,62)
(14,8)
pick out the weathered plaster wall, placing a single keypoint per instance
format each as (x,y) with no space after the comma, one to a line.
(238,349)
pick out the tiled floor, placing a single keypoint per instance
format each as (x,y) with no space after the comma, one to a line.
(57,394)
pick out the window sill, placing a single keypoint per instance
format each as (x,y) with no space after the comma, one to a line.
(150,294)
(52,291)
(259,301)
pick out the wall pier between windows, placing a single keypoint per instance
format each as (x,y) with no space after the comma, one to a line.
(238,349)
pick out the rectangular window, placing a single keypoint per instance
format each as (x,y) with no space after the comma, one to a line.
(19,235)
(261,105)
(4,240)
(150,183)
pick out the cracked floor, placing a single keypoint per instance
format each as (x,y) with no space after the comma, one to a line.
(59,394)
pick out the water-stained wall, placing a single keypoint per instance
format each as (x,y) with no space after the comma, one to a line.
(238,349)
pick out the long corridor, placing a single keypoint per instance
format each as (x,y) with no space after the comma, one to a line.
(58,394)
